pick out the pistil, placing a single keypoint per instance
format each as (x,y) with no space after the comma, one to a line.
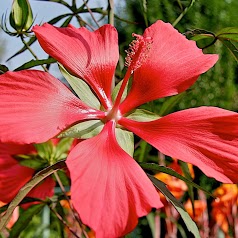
(136,55)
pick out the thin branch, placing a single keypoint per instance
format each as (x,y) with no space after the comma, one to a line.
(91,13)
(183,13)
(31,51)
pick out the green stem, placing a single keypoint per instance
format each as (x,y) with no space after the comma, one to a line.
(67,198)
(111,12)
(143,146)
(31,51)
(183,13)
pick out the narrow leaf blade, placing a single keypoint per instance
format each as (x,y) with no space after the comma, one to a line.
(191,225)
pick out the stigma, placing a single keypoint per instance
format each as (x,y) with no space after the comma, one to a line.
(138,52)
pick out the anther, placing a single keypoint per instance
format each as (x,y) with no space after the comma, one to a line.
(138,52)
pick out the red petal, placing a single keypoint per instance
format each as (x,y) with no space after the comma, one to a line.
(35,106)
(109,190)
(89,55)
(206,137)
(12,175)
(173,65)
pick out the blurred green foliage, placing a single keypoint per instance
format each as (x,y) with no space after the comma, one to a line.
(217,87)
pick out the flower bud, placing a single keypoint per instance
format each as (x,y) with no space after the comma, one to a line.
(21,17)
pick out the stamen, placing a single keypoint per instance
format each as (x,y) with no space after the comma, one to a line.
(138,52)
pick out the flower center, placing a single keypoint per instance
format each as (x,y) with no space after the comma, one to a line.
(113,114)
(136,55)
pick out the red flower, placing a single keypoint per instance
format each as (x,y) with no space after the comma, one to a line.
(14,176)
(109,190)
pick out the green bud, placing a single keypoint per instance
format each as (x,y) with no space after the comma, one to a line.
(21,17)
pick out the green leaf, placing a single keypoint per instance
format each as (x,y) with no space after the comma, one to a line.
(3,69)
(24,201)
(24,219)
(199,34)
(29,43)
(186,172)
(231,47)
(191,225)
(117,88)
(229,33)
(83,91)
(40,176)
(163,169)
(34,164)
(62,148)
(58,18)
(83,130)
(33,63)
(45,150)
(126,140)
(143,115)
(170,103)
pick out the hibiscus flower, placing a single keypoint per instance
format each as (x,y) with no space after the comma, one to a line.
(109,189)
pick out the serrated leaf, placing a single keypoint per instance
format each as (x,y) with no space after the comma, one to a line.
(229,33)
(83,130)
(231,47)
(3,69)
(142,115)
(163,169)
(24,220)
(40,176)
(33,63)
(170,103)
(83,91)
(126,140)
(191,225)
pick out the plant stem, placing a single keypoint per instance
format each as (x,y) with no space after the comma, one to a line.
(64,223)
(183,13)
(67,198)
(91,13)
(111,12)
(31,51)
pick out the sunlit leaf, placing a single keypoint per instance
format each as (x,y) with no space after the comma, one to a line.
(40,176)
(83,130)
(142,115)
(24,219)
(126,140)
(191,225)
(82,89)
